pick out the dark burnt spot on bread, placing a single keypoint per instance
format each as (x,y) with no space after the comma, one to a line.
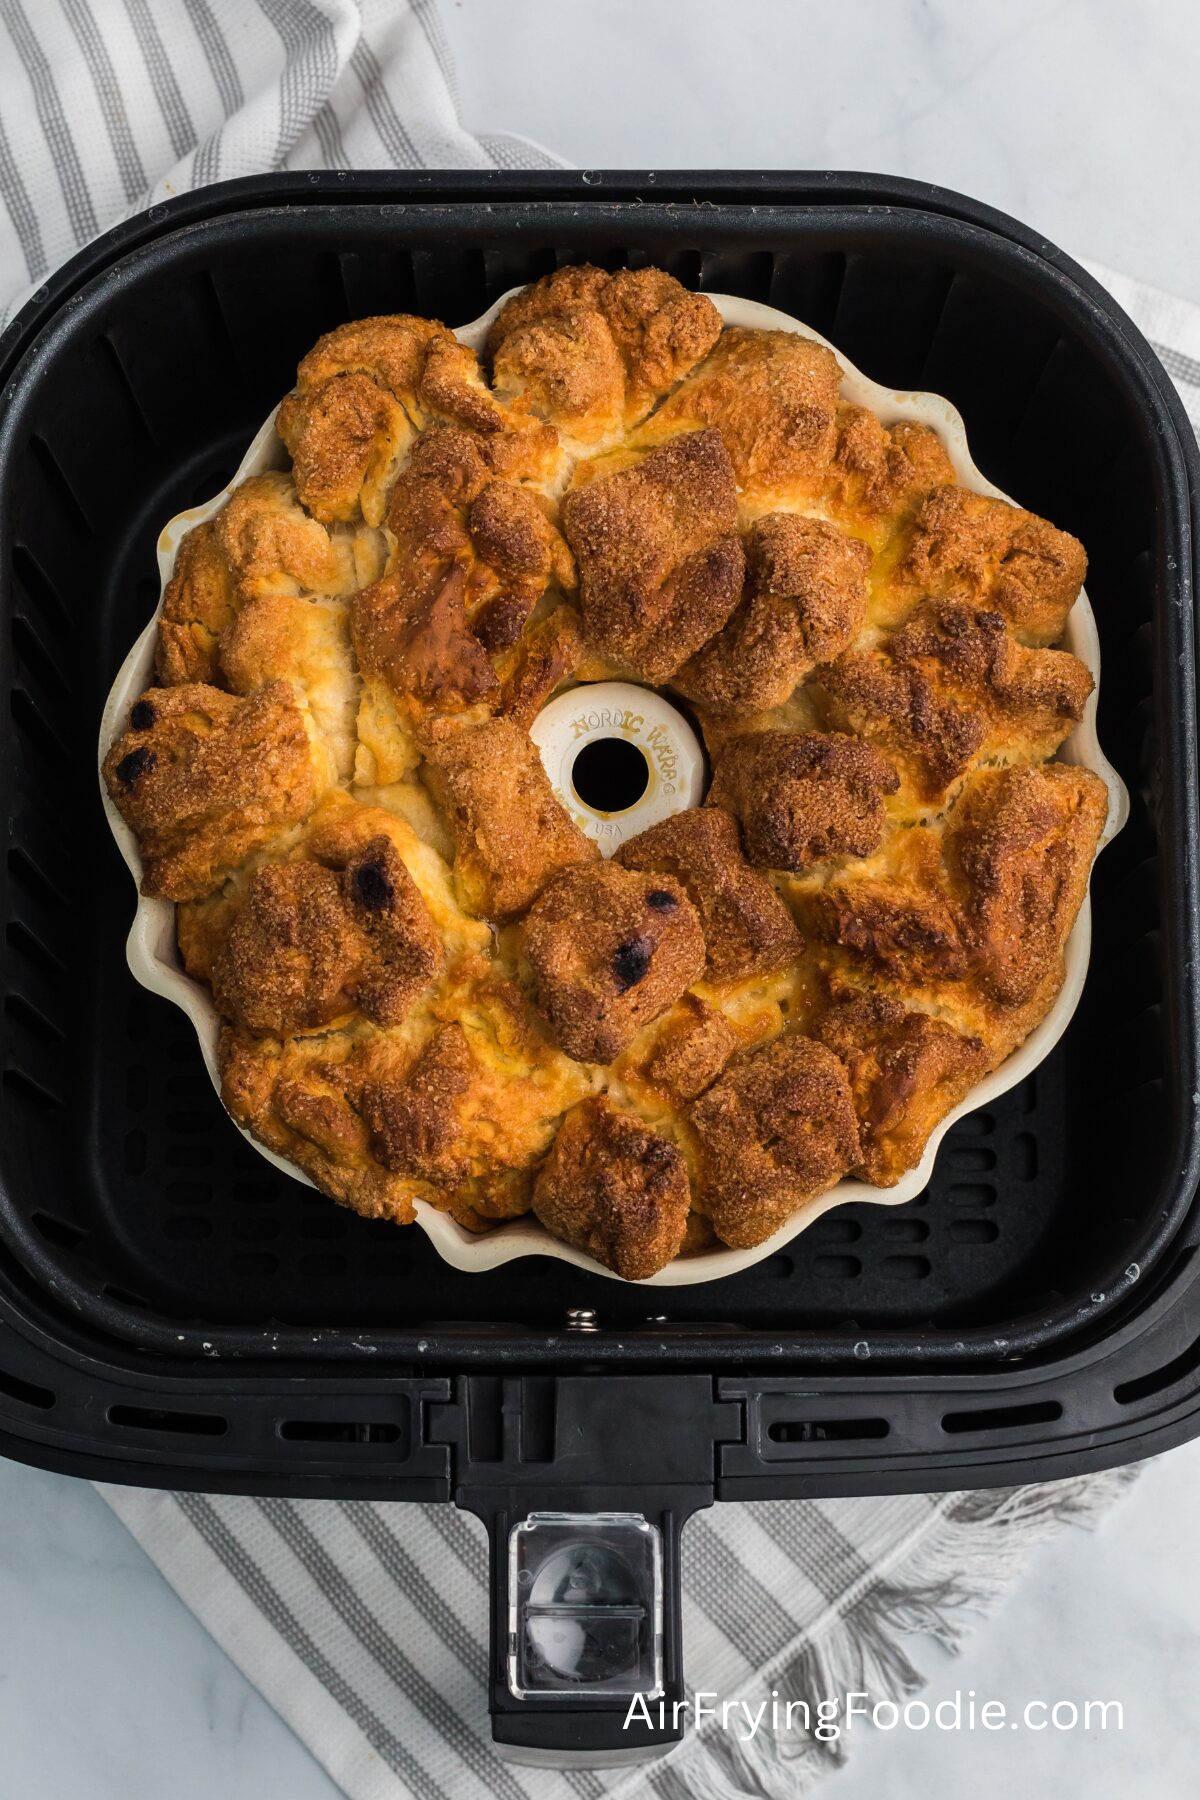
(371,887)
(660,900)
(141,715)
(747,928)
(631,962)
(139,762)
(604,962)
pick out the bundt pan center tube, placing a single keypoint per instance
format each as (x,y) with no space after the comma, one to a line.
(661,731)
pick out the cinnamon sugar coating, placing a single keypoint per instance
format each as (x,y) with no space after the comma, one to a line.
(688,1048)
(590,352)
(974,915)
(660,562)
(473,556)
(953,685)
(804,601)
(610,950)
(778,1128)
(615,1188)
(773,397)
(363,393)
(206,779)
(906,1070)
(311,945)
(800,796)
(747,928)
(512,834)
(996,556)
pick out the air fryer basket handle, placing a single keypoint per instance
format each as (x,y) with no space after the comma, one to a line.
(596,1683)
(585,1482)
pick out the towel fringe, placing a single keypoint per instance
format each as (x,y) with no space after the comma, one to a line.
(940,1590)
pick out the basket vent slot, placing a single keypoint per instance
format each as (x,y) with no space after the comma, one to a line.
(59,1231)
(41,1098)
(23,1012)
(33,878)
(58,483)
(340,1431)
(837,1268)
(1003,1418)
(185,1424)
(29,720)
(13,1388)
(1143,1386)
(38,587)
(823,1431)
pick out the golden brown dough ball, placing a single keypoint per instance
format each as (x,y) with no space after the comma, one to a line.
(776,1129)
(801,796)
(615,1188)
(610,950)
(660,562)
(205,779)
(805,601)
(747,928)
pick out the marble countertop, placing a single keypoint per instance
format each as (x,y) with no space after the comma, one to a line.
(1077,116)
(1080,118)
(110,1689)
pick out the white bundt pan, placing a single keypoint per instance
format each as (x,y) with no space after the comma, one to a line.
(154,959)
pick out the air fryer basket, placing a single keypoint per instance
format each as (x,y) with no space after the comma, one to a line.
(1032,1313)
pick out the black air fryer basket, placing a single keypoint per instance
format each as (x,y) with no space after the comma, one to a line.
(175,1312)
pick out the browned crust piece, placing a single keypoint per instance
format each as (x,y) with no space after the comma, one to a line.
(614,1188)
(414,1120)
(773,396)
(610,950)
(367,388)
(591,351)
(1019,849)
(778,1128)
(805,601)
(511,833)
(473,557)
(879,472)
(951,686)
(906,1069)
(206,779)
(293,1096)
(801,796)
(660,562)
(974,917)
(544,656)
(747,928)
(197,606)
(894,917)
(310,945)
(688,1048)
(260,546)
(992,554)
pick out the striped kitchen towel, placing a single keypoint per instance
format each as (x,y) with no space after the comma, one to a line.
(107,106)
(365,1625)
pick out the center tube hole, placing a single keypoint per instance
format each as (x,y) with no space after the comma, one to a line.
(610,774)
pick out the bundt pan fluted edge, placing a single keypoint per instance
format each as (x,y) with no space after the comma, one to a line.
(154,959)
